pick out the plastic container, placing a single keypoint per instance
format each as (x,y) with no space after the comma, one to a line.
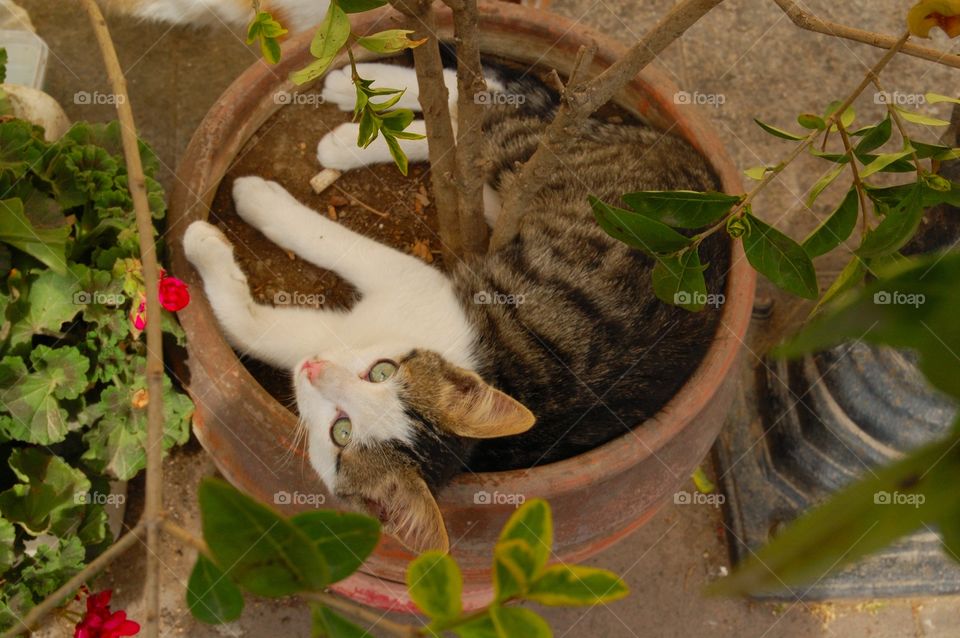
(26,57)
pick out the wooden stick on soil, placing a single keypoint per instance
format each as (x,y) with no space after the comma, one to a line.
(434,102)
(811,22)
(579,103)
(148,257)
(470,164)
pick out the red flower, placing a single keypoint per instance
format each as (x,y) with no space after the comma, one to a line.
(139,317)
(174,294)
(100,622)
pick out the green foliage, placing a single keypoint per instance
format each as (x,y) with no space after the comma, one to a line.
(332,36)
(72,394)
(254,549)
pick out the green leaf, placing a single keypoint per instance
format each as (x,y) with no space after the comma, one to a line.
(389,41)
(32,399)
(682,209)
(913,305)
(330,37)
(436,585)
(757,172)
(936,98)
(481,627)
(835,229)
(531,523)
(514,566)
(919,118)
(897,228)
(3,71)
(368,129)
(357,6)
(211,596)
(399,157)
(514,622)
(846,119)
(678,280)
(343,539)
(45,243)
(825,180)
(875,136)
(779,259)
(936,151)
(851,275)
(882,161)
(950,533)
(266,29)
(637,230)
(811,121)
(49,304)
(7,536)
(267,554)
(571,585)
(859,519)
(776,132)
(329,624)
(46,497)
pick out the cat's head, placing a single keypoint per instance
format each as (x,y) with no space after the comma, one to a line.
(384,432)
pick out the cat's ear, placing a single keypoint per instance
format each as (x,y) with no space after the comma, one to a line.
(413,516)
(477,410)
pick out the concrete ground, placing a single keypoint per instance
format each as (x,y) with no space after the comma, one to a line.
(747,60)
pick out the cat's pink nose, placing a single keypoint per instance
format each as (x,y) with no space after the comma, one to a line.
(313,368)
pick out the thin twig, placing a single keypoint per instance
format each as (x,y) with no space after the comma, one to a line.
(857,182)
(136,182)
(434,103)
(359,202)
(185,536)
(578,105)
(810,22)
(70,587)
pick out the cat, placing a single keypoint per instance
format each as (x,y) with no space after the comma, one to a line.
(536,352)
(295,15)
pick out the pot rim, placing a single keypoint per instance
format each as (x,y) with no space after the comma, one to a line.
(228,122)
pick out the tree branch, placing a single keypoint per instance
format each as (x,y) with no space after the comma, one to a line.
(579,103)
(434,101)
(70,587)
(810,22)
(154,370)
(470,163)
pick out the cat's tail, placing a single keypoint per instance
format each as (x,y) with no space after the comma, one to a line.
(294,15)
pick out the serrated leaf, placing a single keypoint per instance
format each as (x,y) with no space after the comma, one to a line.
(836,228)
(343,539)
(211,596)
(779,259)
(436,585)
(45,243)
(825,180)
(897,228)
(531,523)
(512,622)
(776,132)
(266,554)
(637,230)
(678,280)
(576,585)
(682,209)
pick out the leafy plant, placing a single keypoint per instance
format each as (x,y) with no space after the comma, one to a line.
(332,35)
(917,491)
(247,547)
(72,384)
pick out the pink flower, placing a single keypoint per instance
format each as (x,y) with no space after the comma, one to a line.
(174,294)
(100,622)
(139,318)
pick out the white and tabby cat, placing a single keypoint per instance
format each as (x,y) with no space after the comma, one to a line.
(423,377)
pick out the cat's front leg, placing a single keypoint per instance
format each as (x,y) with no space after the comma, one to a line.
(279,336)
(338,149)
(338,87)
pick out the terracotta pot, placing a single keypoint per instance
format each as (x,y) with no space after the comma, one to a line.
(597,498)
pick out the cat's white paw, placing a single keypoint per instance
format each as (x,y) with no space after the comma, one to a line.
(206,245)
(259,201)
(338,149)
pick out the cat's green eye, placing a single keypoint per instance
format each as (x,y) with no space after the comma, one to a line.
(381,371)
(340,431)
